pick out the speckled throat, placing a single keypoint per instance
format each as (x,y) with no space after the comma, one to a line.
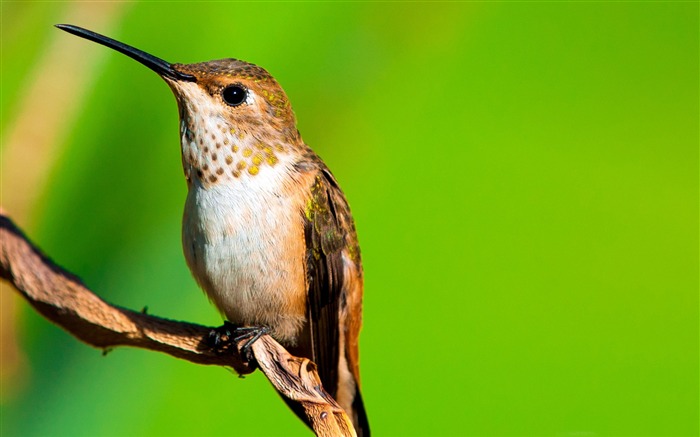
(217,148)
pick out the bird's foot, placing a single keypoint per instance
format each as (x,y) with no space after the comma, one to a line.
(220,338)
(250,334)
(229,335)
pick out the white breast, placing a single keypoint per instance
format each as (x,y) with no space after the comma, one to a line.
(244,244)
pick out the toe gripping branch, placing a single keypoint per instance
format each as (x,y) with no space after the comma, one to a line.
(238,338)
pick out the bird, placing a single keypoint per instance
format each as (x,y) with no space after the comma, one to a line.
(267,231)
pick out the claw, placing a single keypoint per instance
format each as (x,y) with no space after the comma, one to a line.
(229,335)
(252,334)
(220,337)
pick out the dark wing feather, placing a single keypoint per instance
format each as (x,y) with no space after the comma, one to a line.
(325,240)
(334,301)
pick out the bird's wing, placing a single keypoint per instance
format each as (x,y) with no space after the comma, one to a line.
(331,244)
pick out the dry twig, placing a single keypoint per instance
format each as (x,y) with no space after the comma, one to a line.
(60,297)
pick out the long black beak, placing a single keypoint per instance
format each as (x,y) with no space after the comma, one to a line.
(156,64)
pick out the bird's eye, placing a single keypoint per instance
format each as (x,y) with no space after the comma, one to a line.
(234,95)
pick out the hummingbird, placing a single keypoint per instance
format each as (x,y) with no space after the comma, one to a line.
(267,232)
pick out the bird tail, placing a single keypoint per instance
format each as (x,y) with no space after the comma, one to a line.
(358,415)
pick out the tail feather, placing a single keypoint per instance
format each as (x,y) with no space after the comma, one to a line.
(358,415)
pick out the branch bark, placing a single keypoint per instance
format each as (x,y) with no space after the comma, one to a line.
(61,297)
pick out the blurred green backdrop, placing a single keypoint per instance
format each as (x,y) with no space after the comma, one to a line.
(524,177)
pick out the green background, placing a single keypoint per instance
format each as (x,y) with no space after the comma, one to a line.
(524,178)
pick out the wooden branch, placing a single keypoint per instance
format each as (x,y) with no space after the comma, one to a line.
(61,297)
